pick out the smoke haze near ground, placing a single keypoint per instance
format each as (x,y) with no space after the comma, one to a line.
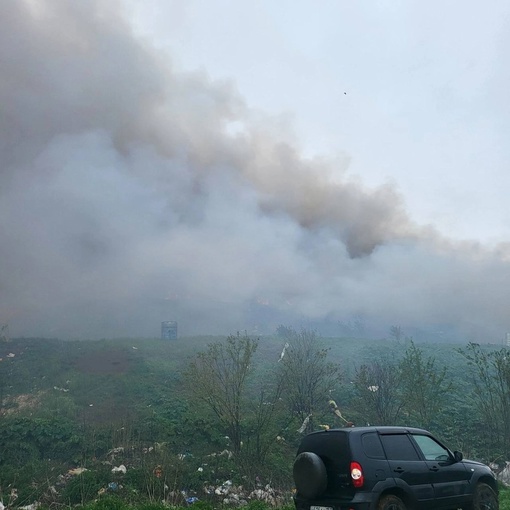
(132,193)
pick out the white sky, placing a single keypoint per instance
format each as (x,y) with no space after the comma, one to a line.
(414,93)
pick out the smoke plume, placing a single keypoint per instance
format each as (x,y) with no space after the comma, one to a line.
(132,192)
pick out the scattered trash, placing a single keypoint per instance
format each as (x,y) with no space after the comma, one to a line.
(304,424)
(285,347)
(337,412)
(33,506)
(119,449)
(504,475)
(224,488)
(11,355)
(223,453)
(13,496)
(269,496)
(235,500)
(236,496)
(77,471)
(225,493)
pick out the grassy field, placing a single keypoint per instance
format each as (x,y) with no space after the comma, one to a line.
(101,404)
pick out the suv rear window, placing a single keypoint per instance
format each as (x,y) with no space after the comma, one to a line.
(399,447)
(336,444)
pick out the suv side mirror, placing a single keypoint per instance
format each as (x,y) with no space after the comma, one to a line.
(458,456)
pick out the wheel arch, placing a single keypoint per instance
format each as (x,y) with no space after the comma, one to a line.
(407,498)
(490,481)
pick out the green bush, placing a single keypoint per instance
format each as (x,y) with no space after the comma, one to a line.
(107,503)
(203,505)
(82,488)
(24,439)
(256,505)
(142,481)
(152,506)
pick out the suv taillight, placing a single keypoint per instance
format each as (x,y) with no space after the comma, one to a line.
(357,475)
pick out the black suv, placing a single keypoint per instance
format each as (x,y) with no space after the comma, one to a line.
(388,468)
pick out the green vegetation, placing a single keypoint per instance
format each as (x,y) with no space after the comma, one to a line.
(123,423)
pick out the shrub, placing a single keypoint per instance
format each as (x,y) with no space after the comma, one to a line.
(107,503)
(85,487)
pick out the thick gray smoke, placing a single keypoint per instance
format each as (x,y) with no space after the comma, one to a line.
(132,193)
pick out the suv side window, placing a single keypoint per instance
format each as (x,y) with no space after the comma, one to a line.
(399,447)
(372,446)
(431,449)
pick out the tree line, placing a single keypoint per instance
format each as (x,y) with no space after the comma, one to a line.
(259,406)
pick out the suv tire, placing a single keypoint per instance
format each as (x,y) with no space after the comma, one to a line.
(391,502)
(484,498)
(310,475)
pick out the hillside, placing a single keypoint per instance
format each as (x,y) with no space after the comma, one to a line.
(103,404)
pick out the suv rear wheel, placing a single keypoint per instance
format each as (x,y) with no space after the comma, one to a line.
(310,475)
(391,502)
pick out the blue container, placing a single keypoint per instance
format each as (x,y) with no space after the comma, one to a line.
(169,330)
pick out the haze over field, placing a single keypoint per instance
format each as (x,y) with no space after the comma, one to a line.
(134,191)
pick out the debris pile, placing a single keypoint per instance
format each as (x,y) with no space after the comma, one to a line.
(121,468)
(504,475)
(235,495)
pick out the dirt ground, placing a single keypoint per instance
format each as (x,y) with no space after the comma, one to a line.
(114,361)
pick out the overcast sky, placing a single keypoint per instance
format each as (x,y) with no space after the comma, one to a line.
(238,165)
(415,93)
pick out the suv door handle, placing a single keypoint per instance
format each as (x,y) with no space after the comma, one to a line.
(398,470)
(434,468)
